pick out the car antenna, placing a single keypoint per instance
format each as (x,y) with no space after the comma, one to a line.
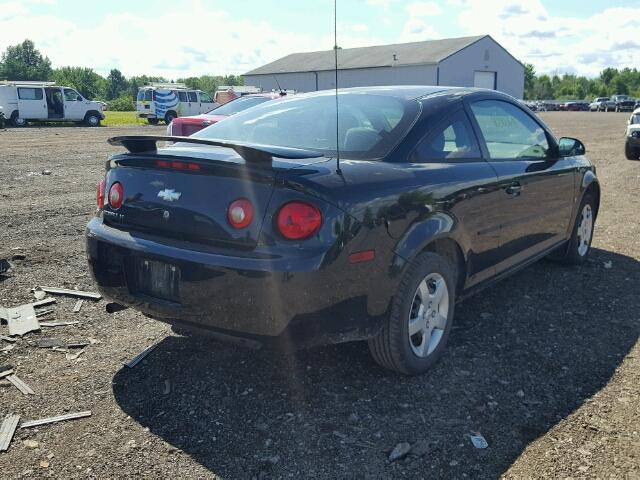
(335,57)
(277,83)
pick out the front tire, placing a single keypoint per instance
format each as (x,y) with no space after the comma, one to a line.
(416,332)
(17,121)
(169,116)
(632,153)
(92,120)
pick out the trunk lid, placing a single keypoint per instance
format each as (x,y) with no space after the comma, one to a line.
(184,192)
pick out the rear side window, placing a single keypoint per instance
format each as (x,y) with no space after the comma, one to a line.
(29,93)
(205,97)
(148,95)
(193,96)
(452,139)
(182,96)
(509,132)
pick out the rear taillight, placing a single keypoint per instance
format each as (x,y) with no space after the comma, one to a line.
(298,220)
(116,195)
(240,213)
(193,167)
(100,195)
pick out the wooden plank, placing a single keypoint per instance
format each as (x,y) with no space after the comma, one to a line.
(132,363)
(78,306)
(7,429)
(46,301)
(20,385)
(61,418)
(6,373)
(7,339)
(58,324)
(72,293)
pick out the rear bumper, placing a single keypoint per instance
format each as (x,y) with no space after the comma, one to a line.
(307,300)
(633,141)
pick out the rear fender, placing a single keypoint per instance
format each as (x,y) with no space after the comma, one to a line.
(419,235)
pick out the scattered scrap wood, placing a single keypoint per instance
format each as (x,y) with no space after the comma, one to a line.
(132,363)
(61,418)
(4,371)
(50,342)
(74,356)
(7,429)
(21,319)
(8,339)
(7,348)
(72,293)
(78,306)
(42,313)
(78,345)
(58,324)
(20,385)
(46,301)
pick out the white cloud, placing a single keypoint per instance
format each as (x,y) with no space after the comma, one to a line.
(416,30)
(556,44)
(149,45)
(424,9)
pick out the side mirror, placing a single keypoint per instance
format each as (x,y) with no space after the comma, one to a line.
(570,147)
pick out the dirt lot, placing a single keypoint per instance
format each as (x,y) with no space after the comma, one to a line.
(545,365)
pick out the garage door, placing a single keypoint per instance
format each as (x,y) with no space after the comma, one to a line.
(484,80)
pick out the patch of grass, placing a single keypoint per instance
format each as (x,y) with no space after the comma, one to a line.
(122,118)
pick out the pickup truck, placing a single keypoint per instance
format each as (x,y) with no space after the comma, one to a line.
(623,103)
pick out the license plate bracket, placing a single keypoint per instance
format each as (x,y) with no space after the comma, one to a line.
(158,279)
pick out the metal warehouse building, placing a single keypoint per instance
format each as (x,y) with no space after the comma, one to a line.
(465,62)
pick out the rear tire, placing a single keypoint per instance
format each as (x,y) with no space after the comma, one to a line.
(152,121)
(169,116)
(415,335)
(579,245)
(632,153)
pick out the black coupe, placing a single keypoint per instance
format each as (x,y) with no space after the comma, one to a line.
(253,230)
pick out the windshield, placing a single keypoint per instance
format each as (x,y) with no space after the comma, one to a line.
(370,125)
(635,119)
(238,105)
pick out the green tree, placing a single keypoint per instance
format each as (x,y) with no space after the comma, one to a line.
(117,84)
(529,81)
(24,62)
(85,80)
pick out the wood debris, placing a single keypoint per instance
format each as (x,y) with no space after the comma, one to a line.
(39,293)
(58,324)
(132,363)
(20,385)
(60,418)
(7,339)
(7,429)
(78,306)
(72,293)
(74,356)
(46,301)
(5,373)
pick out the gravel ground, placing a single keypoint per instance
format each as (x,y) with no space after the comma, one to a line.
(545,365)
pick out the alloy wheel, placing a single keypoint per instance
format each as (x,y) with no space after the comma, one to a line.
(428,315)
(585,230)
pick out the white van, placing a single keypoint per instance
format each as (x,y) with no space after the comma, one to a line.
(166,101)
(46,101)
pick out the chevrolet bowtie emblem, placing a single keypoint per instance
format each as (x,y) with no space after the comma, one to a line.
(169,195)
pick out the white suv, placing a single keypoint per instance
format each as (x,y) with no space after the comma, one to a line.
(632,143)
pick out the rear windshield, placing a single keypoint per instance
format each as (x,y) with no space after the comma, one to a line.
(144,95)
(370,125)
(239,104)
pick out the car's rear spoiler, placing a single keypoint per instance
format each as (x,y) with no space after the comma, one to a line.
(250,152)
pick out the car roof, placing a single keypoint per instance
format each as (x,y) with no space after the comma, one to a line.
(406,92)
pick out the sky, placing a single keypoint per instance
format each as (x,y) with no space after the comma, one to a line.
(181,38)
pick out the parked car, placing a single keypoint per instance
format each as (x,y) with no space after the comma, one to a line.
(602,104)
(185,126)
(166,101)
(623,103)
(45,101)
(226,93)
(632,136)
(252,229)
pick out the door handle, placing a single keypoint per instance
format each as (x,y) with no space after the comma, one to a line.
(514,189)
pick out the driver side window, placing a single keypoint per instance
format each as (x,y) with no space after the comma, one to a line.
(509,132)
(71,95)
